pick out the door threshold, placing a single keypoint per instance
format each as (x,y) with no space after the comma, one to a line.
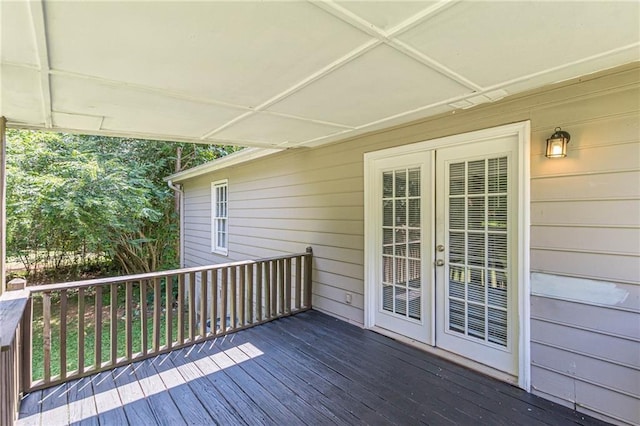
(449,356)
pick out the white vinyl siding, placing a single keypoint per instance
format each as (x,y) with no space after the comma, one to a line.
(220,217)
(585,224)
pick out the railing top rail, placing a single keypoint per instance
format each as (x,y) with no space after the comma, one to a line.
(150,275)
(12,304)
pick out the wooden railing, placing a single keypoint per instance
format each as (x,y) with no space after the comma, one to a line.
(94,325)
(12,305)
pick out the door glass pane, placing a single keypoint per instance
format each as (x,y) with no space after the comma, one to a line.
(401,285)
(477,288)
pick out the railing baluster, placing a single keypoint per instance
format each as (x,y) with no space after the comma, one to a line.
(241,295)
(81,330)
(233,289)
(63,334)
(259,276)
(180,309)
(46,334)
(203,303)
(129,319)
(308,266)
(274,288)
(298,290)
(27,346)
(144,329)
(223,301)
(114,323)
(267,289)
(97,332)
(214,301)
(192,306)
(156,314)
(281,290)
(169,311)
(287,286)
(250,294)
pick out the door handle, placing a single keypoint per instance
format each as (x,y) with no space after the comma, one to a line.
(439,262)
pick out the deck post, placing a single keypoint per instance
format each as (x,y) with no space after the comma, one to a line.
(12,307)
(308,266)
(3,203)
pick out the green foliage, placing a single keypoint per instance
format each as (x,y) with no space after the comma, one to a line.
(71,198)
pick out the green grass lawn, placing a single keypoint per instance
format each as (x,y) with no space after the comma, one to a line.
(89,331)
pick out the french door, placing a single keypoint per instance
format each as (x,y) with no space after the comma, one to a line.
(443,242)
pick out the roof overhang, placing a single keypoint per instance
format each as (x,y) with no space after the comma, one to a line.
(238,157)
(289,74)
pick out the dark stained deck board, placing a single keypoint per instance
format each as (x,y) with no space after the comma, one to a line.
(30,409)
(136,407)
(206,393)
(229,391)
(54,406)
(181,394)
(108,402)
(82,404)
(162,405)
(342,375)
(306,369)
(256,391)
(302,410)
(510,397)
(294,384)
(327,382)
(409,382)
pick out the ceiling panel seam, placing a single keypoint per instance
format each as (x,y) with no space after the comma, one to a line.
(148,89)
(20,65)
(310,120)
(379,38)
(227,124)
(388,37)
(148,136)
(420,17)
(349,57)
(563,66)
(36,10)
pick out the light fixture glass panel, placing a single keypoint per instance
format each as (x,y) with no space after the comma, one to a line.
(556,148)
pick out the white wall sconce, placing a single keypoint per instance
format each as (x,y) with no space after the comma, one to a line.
(557,144)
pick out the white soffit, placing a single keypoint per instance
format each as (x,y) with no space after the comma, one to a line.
(370,88)
(16,20)
(264,128)
(129,110)
(492,43)
(287,74)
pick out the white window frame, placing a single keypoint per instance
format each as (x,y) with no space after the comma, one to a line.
(216,217)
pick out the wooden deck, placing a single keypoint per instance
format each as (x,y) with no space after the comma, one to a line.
(306,369)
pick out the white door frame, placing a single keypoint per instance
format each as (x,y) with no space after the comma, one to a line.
(523,132)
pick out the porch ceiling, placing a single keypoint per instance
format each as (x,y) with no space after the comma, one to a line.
(288,74)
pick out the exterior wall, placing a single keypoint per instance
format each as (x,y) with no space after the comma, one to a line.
(585,229)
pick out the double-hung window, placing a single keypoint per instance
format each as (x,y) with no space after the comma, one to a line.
(220,217)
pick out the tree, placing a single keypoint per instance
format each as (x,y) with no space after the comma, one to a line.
(69,196)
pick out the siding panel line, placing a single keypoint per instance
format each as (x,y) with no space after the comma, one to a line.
(579,327)
(580,379)
(587,277)
(587,355)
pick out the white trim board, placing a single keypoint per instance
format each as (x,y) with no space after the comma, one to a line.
(522,131)
(239,157)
